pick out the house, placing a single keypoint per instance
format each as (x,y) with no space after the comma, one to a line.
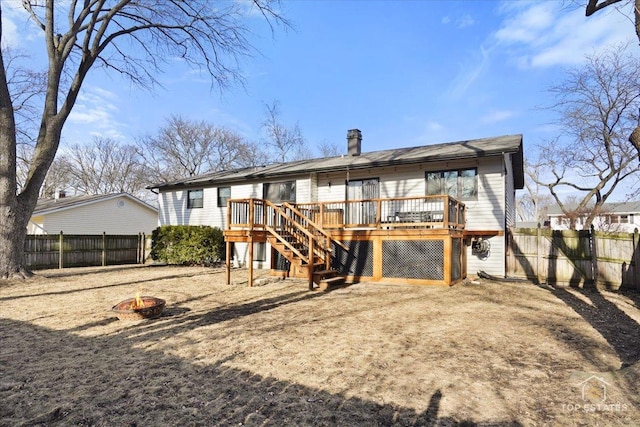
(423,215)
(119,213)
(621,217)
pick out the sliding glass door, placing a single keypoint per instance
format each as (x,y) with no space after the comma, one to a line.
(363,212)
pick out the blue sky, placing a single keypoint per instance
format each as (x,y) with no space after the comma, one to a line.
(405,73)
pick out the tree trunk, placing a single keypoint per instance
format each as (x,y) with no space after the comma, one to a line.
(635,139)
(12,238)
(13,217)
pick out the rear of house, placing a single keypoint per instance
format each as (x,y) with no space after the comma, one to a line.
(482,175)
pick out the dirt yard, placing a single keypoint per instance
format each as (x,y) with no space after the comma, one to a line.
(483,353)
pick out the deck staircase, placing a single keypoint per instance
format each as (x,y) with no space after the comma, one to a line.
(305,245)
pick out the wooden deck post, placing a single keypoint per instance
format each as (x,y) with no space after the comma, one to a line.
(311,262)
(328,253)
(445,212)
(251,222)
(227,244)
(251,259)
(446,256)
(228,261)
(636,258)
(377,258)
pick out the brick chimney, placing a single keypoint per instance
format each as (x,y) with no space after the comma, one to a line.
(354,142)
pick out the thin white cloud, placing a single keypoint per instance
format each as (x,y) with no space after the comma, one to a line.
(434,126)
(479,63)
(17,26)
(10,36)
(526,26)
(430,132)
(545,35)
(496,116)
(465,21)
(95,113)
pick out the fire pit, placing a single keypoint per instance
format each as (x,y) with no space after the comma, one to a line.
(140,307)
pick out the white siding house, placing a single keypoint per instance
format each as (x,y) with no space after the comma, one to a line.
(119,213)
(492,166)
(623,217)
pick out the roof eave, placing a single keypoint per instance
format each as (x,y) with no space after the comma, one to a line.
(351,167)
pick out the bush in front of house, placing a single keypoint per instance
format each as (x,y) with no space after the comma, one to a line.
(187,244)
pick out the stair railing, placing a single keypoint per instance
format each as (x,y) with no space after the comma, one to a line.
(280,224)
(324,246)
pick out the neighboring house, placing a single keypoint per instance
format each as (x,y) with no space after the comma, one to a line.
(119,213)
(528,224)
(422,214)
(618,217)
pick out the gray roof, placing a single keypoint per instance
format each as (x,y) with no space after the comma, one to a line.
(607,208)
(45,206)
(399,156)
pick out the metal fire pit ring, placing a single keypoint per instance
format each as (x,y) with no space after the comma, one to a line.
(153,307)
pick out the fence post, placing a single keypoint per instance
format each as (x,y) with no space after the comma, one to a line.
(144,248)
(594,255)
(636,258)
(539,255)
(61,251)
(104,248)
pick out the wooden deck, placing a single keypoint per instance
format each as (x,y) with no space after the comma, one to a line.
(415,240)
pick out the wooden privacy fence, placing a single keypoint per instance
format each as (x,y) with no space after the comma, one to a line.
(74,250)
(568,257)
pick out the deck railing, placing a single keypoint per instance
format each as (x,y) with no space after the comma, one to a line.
(401,212)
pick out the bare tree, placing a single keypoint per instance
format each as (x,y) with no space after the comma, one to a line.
(129,37)
(183,148)
(59,177)
(329,149)
(597,104)
(285,142)
(104,167)
(26,87)
(594,6)
(532,205)
(574,213)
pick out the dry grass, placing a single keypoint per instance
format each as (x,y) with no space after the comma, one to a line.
(499,354)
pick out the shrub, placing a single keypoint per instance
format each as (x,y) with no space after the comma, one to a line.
(187,244)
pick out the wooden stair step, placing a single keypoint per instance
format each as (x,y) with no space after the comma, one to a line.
(331,283)
(323,274)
